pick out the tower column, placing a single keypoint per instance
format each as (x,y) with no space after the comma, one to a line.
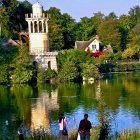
(29,26)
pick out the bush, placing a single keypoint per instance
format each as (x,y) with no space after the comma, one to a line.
(75,56)
(21,76)
(105,56)
(69,72)
(90,71)
(128,53)
(4,74)
(119,67)
(118,55)
(47,75)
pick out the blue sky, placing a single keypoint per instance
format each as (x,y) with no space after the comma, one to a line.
(80,8)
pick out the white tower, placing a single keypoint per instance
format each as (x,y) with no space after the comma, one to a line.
(38,30)
(38,38)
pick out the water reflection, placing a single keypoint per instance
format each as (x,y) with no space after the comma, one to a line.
(97,90)
(39,106)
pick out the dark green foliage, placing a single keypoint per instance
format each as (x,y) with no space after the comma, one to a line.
(12,17)
(119,67)
(61,30)
(106,67)
(85,29)
(118,55)
(73,60)
(124,28)
(7,54)
(21,73)
(76,56)
(47,75)
(4,74)
(134,14)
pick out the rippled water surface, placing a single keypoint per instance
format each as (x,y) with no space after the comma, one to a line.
(39,106)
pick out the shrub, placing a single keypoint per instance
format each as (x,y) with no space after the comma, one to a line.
(69,72)
(21,76)
(90,71)
(118,55)
(128,53)
(4,74)
(46,75)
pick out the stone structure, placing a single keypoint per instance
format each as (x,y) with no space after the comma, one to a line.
(38,38)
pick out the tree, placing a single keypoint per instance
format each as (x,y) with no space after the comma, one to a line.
(69,72)
(124,28)
(67,26)
(64,33)
(134,15)
(97,19)
(12,17)
(90,71)
(111,15)
(56,39)
(135,35)
(84,29)
(21,72)
(19,15)
(108,32)
(134,41)
(74,55)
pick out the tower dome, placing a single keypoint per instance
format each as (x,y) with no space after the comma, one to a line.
(37,9)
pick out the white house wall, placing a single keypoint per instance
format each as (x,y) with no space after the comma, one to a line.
(96,43)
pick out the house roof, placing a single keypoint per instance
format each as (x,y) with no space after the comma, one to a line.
(7,42)
(108,48)
(83,44)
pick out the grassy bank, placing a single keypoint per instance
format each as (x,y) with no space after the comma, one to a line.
(133,134)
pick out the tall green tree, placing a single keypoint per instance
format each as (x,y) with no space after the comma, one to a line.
(108,32)
(67,26)
(124,28)
(85,29)
(96,20)
(111,15)
(19,15)
(134,15)
(56,39)
(21,72)
(64,33)
(12,17)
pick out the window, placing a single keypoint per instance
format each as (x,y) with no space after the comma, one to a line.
(94,48)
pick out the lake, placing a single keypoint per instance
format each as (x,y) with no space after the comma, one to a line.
(38,107)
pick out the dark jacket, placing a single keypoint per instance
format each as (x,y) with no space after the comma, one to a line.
(21,137)
(84,126)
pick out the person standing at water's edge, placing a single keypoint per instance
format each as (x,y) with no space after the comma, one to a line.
(84,128)
(62,122)
(20,134)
